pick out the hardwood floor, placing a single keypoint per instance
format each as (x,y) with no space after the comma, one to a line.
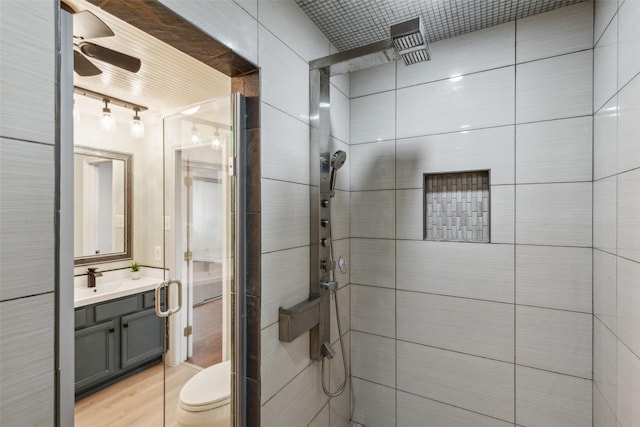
(135,401)
(207,334)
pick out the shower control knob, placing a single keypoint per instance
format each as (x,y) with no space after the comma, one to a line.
(324,222)
(323,242)
(324,203)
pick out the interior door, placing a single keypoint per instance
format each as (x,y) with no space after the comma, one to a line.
(198,241)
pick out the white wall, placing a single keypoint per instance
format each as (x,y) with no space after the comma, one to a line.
(616,214)
(471,333)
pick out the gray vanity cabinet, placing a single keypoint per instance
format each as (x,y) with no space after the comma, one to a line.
(96,344)
(114,339)
(141,338)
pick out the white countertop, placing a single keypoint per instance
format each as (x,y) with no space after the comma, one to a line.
(111,290)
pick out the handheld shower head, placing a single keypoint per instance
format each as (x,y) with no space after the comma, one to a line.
(337,160)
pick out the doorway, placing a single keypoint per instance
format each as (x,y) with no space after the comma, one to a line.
(147,161)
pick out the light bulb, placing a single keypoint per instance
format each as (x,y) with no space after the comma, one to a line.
(215,143)
(107,123)
(136,127)
(195,138)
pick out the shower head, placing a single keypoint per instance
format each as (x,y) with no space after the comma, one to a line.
(337,160)
(410,40)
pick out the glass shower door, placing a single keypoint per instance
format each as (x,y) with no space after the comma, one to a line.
(199,242)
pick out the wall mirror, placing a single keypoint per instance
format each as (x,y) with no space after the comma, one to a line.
(102,205)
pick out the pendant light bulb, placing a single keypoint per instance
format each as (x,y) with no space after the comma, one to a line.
(195,138)
(107,123)
(216,142)
(136,127)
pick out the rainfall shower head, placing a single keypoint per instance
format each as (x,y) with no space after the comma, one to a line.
(337,160)
(409,39)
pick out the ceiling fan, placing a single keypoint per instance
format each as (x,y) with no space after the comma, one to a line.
(88,26)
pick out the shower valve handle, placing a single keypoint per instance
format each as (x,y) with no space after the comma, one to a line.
(324,222)
(327,265)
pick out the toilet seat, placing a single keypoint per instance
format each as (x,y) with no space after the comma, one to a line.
(208,389)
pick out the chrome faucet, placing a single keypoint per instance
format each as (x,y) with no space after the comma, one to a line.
(92,273)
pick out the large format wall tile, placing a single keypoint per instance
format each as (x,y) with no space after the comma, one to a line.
(548,399)
(554,340)
(605,140)
(604,288)
(27,354)
(372,80)
(27,252)
(27,70)
(628,296)
(604,362)
(554,151)
(602,414)
(554,214)
(554,277)
(229,23)
(285,217)
(284,146)
(373,358)
(554,88)
(456,152)
(469,382)
(605,214)
(502,213)
(280,361)
(628,410)
(475,101)
(373,310)
(471,270)
(410,214)
(284,76)
(297,403)
(373,214)
(322,419)
(474,52)
(344,305)
(603,12)
(628,119)
(373,262)
(605,61)
(414,410)
(285,275)
(481,328)
(628,41)
(560,31)
(373,166)
(373,117)
(339,114)
(375,405)
(628,239)
(294,28)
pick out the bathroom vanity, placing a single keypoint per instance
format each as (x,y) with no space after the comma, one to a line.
(114,338)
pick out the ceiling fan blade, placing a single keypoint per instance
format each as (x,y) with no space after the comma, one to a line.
(116,58)
(86,25)
(83,66)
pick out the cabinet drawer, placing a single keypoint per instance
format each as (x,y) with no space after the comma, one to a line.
(112,309)
(80,318)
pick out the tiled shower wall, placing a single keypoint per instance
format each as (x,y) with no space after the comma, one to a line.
(616,214)
(27,177)
(490,334)
(279,37)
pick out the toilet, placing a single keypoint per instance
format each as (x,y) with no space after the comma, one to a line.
(205,400)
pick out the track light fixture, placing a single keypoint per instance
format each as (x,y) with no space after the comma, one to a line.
(107,122)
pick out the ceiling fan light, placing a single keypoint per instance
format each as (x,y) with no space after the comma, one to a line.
(136,127)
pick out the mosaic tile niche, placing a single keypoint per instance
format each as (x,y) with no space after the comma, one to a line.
(456,207)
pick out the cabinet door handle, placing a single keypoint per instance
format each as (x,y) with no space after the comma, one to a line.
(126,325)
(111,330)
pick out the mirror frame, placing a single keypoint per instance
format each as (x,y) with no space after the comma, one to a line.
(128,206)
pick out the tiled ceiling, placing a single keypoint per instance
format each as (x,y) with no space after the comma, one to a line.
(352,23)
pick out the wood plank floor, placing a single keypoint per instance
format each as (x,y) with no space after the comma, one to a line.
(207,334)
(135,401)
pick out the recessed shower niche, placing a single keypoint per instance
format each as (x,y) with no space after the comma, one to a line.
(456,206)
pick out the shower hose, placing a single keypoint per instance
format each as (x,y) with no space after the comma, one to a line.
(340,389)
